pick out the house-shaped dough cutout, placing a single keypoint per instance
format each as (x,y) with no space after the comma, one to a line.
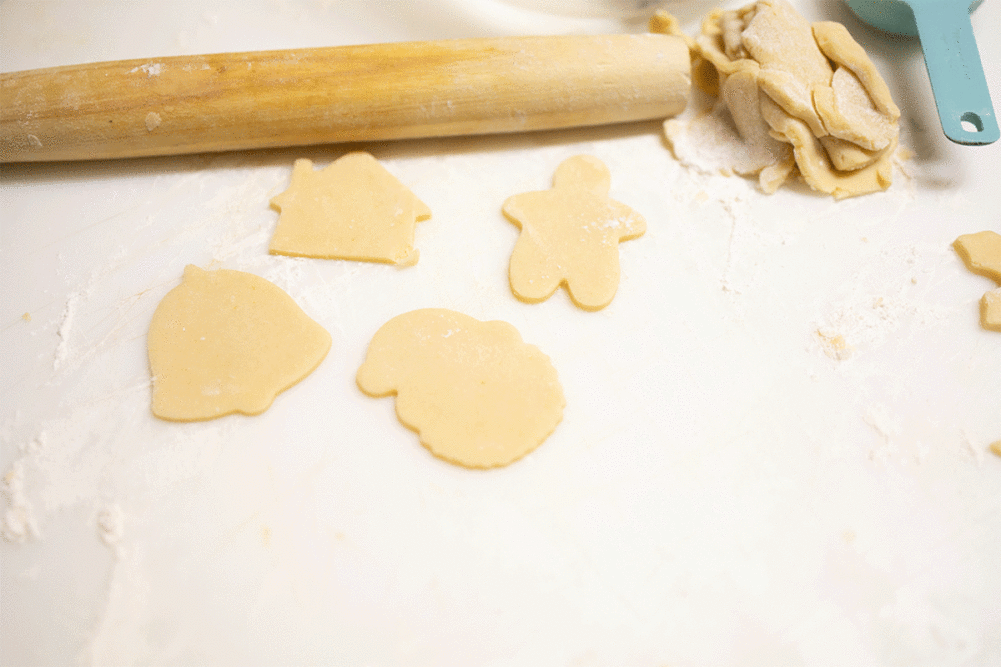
(352,209)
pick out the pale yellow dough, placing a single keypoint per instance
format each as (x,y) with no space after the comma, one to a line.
(810,87)
(475,392)
(352,209)
(570,236)
(228,341)
(990,310)
(981,252)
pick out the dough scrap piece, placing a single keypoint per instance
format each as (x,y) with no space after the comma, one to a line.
(815,164)
(351,209)
(837,44)
(981,252)
(850,114)
(990,310)
(227,341)
(570,236)
(792,65)
(477,395)
(820,95)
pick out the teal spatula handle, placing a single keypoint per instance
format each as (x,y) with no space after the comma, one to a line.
(955,71)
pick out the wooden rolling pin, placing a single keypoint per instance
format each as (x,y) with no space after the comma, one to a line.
(234,101)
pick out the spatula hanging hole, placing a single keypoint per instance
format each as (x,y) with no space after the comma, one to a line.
(971,122)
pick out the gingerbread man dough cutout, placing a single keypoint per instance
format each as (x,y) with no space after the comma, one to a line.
(570,236)
(981,252)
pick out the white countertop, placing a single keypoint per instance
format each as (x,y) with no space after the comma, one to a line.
(720,492)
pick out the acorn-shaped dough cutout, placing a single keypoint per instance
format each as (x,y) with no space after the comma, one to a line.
(477,394)
(227,341)
(570,236)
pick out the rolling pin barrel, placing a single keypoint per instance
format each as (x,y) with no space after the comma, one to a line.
(235,101)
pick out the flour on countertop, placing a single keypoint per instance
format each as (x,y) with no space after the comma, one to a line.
(880,299)
(65,329)
(741,235)
(125,615)
(111,525)
(970,449)
(705,139)
(19,524)
(289,273)
(887,427)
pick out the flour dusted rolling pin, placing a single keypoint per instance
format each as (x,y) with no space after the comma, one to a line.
(233,101)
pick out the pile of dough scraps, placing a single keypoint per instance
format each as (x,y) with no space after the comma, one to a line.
(981,252)
(790,96)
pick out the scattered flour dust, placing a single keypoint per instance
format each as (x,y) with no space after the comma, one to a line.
(974,452)
(887,427)
(877,301)
(65,330)
(111,525)
(742,235)
(19,524)
(288,273)
(120,635)
(749,238)
(153,121)
(96,439)
(704,138)
(150,69)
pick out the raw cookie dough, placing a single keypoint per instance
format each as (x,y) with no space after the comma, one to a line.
(351,209)
(570,235)
(802,97)
(228,341)
(990,310)
(981,252)
(477,395)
